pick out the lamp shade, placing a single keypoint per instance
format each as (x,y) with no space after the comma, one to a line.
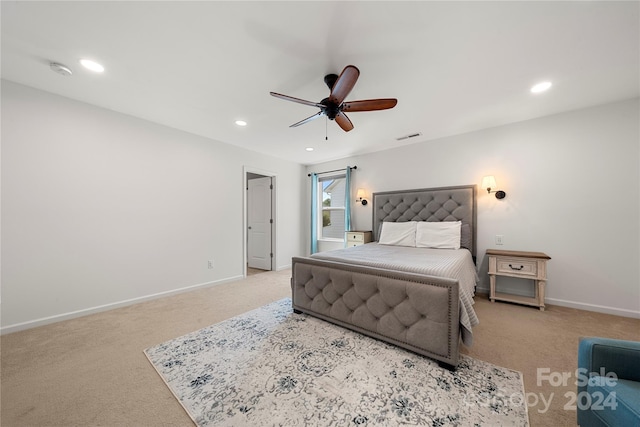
(361,194)
(488,181)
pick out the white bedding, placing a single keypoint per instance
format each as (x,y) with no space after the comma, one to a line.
(452,263)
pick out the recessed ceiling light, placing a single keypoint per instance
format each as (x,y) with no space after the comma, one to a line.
(541,87)
(309,148)
(241,123)
(92,65)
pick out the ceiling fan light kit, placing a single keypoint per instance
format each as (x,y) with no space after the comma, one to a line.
(334,106)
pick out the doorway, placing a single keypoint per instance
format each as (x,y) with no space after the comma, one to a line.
(259,221)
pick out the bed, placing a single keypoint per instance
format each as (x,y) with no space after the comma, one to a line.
(418,298)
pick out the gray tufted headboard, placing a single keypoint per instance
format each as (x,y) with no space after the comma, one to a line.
(429,204)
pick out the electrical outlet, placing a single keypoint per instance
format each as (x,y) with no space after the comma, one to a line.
(210,264)
(499,239)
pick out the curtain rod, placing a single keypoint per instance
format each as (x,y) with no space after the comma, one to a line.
(335,170)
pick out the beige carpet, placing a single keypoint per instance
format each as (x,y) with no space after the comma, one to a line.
(92,371)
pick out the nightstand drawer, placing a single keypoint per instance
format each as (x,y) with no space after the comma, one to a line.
(517,266)
(355,237)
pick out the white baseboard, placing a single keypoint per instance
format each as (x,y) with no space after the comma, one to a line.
(594,307)
(583,306)
(84,312)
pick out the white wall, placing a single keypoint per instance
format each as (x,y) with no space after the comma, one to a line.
(573,191)
(100,208)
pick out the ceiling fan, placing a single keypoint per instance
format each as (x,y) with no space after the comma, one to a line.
(334,106)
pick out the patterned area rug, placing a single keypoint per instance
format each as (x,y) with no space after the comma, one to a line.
(272,367)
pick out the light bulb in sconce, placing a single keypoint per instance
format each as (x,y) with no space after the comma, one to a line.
(361,196)
(489,182)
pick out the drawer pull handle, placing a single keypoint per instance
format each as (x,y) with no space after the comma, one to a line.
(516,268)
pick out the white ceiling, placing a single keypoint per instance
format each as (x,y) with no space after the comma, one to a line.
(455,67)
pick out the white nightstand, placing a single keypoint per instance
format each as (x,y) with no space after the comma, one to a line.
(523,265)
(357,238)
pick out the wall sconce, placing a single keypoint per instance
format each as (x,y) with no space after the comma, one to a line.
(489,182)
(360,196)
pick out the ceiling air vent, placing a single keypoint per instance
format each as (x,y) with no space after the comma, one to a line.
(413,135)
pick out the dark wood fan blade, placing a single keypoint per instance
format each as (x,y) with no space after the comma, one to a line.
(308,119)
(298,100)
(344,122)
(346,81)
(369,104)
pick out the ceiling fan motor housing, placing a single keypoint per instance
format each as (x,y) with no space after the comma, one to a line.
(330,109)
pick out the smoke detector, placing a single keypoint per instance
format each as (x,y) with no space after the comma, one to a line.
(60,69)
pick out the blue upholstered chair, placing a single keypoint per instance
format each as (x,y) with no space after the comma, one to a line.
(608,400)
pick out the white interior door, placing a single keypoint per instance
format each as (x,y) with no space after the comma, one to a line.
(259,223)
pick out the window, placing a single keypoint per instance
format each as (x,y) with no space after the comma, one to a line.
(331,192)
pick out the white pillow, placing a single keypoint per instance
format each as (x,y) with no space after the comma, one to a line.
(439,235)
(398,233)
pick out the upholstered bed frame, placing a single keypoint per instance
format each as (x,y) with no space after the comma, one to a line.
(414,311)
(429,204)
